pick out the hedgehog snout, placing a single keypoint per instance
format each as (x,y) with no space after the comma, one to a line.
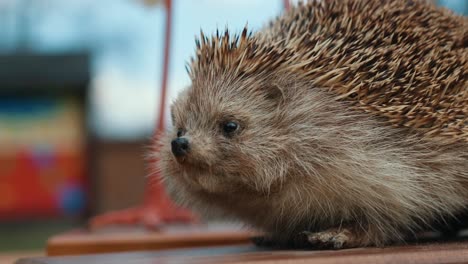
(180,146)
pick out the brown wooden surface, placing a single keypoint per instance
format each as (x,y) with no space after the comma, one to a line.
(447,252)
(79,242)
(116,166)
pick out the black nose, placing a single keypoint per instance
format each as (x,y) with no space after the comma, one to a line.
(180,146)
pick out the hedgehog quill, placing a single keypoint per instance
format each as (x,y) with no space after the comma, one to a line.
(342,123)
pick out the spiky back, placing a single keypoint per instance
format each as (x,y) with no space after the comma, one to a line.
(406,61)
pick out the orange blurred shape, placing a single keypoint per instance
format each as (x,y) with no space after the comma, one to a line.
(9,197)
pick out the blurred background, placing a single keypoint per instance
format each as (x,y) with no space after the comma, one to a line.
(80,82)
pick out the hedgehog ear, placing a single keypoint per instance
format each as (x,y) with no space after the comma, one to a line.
(275,94)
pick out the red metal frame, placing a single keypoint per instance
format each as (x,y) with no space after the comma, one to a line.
(286,4)
(165,73)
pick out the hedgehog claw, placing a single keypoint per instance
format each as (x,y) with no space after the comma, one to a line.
(330,239)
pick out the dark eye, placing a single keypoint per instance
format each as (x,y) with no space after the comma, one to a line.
(230,127)
(180,132)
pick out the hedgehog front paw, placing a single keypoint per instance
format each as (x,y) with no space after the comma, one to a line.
(335,238)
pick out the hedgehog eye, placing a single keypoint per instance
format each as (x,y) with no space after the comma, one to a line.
(230,127)
(180,132)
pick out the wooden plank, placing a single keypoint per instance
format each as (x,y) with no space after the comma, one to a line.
(447,252)
(118,239)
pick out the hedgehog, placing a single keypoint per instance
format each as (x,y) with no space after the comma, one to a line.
(340,124)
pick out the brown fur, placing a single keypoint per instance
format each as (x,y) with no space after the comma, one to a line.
(353,117)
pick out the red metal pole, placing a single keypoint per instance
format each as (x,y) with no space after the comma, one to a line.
(157,208)
(155,195)
(286,4)
(165,73)
(160,209)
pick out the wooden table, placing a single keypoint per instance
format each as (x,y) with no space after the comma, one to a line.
(224,244)
(78,242)
(447,252)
